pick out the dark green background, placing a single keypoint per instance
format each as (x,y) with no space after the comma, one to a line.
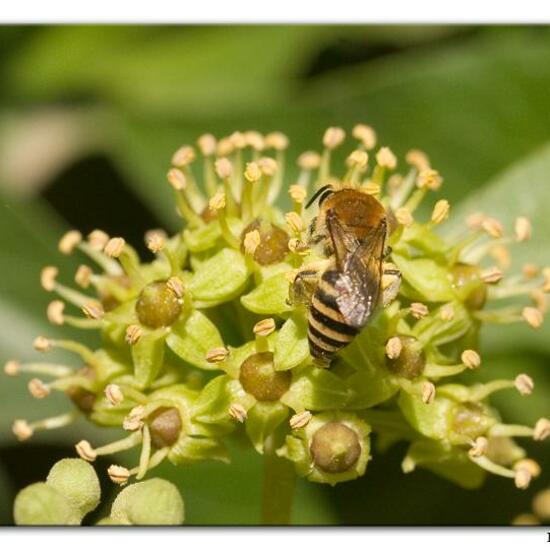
(89,117)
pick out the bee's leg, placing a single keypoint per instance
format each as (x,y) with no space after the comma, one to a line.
(387,251)
(391,282)
(305,282)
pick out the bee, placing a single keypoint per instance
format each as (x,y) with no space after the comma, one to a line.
(344,290)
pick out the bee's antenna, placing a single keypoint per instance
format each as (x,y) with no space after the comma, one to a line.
(325,191)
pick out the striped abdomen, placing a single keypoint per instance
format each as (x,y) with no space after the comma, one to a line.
(328,332)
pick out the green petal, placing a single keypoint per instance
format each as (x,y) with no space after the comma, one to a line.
(428,280)
(371,388)
(270,297)
(316,389)
(193,337)
(446,461)
(212,405)
(193,449)
(202,238)
(220,278)
(291,344)
(262,420)
(434,330)
(148,356)
(432,420)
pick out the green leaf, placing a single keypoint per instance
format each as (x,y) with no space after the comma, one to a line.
(269,297)
(220,278)
(193,337)
(148,357)
(291,344)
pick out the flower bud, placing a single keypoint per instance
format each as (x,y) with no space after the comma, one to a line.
(152,502)
(158,306)
(260,379)
(41,504)
(77,481)
(165,426)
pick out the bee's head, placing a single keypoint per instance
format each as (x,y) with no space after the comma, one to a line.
(321,194)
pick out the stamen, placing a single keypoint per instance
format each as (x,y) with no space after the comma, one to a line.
(145,453)
(491,275)
(183,156)
(277,141)
(490,466)
(300,420)
(502,256)
(22,430)
(82,276)
(178,181)
(295,222)
(492,227)
(404,217)
(530,271)
(42,344)
(418,310)
(97,239)
(428,393)
(93,310)
(217,355)
(440,211)
(524,384)
(394,347)
(217,204)
(55,312)
(479,447)
(69,241)
(134,420)
(532,316)
(447,312)
(85,451)
(124,444)
(238,412)
(114,247)
(38,389)
(47,278)
(334,137)
(12,368)
(118,474)
(523,229)
(155,240)
(133,334)
(429,179)
(542,429)
(386,159)
(175,284)
(418,159)
(471,359)
(251,242)
(114,394)
(264,327)
(255,140)
(365,134)
(207,145)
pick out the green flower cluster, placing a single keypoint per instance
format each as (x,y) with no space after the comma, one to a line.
(71,491)
(205,342)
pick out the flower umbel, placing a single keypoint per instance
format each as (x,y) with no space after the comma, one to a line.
(213,333)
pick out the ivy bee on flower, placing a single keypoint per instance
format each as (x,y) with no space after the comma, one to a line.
(344,290)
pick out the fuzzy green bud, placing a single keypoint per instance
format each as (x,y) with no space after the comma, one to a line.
(77,481)
(158,305)
(260,379)
(41,504)
(152,502)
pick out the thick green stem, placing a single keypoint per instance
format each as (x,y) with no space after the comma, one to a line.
(278,486)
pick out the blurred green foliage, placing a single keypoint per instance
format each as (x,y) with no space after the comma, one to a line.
(475,98)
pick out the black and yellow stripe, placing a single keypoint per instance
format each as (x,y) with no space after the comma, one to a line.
(328,332)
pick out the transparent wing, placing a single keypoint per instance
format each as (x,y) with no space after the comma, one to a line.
(344,243)
(358,285)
